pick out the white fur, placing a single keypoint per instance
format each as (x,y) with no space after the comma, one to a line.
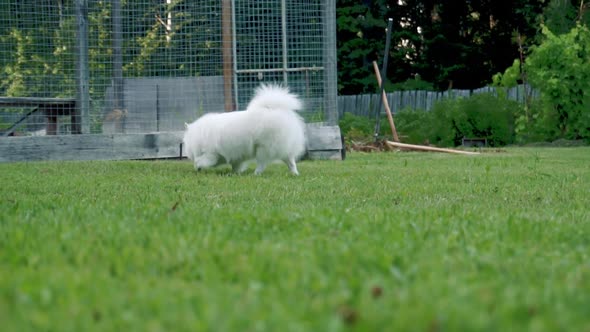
(268,130)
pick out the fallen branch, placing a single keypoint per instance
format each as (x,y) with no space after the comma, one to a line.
(386,103)
(428,148)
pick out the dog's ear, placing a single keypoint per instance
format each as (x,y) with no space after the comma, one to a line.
(185,125)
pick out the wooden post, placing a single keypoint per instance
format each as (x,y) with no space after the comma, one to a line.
(330,63)
(386,103)
(82,124)
(52,125)
(118,102)
(118,114)
(226,22)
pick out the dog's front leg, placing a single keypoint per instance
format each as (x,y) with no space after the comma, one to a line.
(206,161)
(260,167)
(239,167)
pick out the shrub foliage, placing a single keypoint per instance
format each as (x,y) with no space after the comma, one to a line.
(559,68)
(480,116)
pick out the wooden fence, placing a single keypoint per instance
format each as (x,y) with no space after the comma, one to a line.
(365,105)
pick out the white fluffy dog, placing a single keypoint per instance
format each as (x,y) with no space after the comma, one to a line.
(268,130)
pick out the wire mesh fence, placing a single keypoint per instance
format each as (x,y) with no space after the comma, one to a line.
(121,66)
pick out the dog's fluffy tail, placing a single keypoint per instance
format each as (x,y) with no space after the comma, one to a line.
(274,97)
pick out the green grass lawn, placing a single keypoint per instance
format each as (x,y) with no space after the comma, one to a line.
(380,242)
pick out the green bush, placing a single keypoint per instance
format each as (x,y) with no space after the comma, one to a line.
(559,69)
(537,124)
(413,126)
(362,128)
(350,122)
(480,116)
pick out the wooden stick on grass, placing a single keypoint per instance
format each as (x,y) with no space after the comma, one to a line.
(386,103)
(428,148)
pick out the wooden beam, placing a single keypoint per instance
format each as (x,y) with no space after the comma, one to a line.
(50,107)
(429,148)
(324,142)
(34,101)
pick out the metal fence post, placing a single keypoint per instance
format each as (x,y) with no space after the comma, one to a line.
(330,64)
(82,71)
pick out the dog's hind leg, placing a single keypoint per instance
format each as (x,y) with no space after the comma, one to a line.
(292,165)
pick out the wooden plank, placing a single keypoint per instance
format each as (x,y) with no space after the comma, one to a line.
(90,147)
(324,155)
(396,100)
(364,106)
(34,101)
(71,147)
(426,99)
(323,141)
(423,100)
(147,146)
(348,105)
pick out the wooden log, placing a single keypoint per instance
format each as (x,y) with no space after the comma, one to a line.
(429,148)
(386,103)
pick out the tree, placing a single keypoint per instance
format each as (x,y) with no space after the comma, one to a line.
(560,69)
(560,16)
(359,28)
(456,44)
(36,52)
